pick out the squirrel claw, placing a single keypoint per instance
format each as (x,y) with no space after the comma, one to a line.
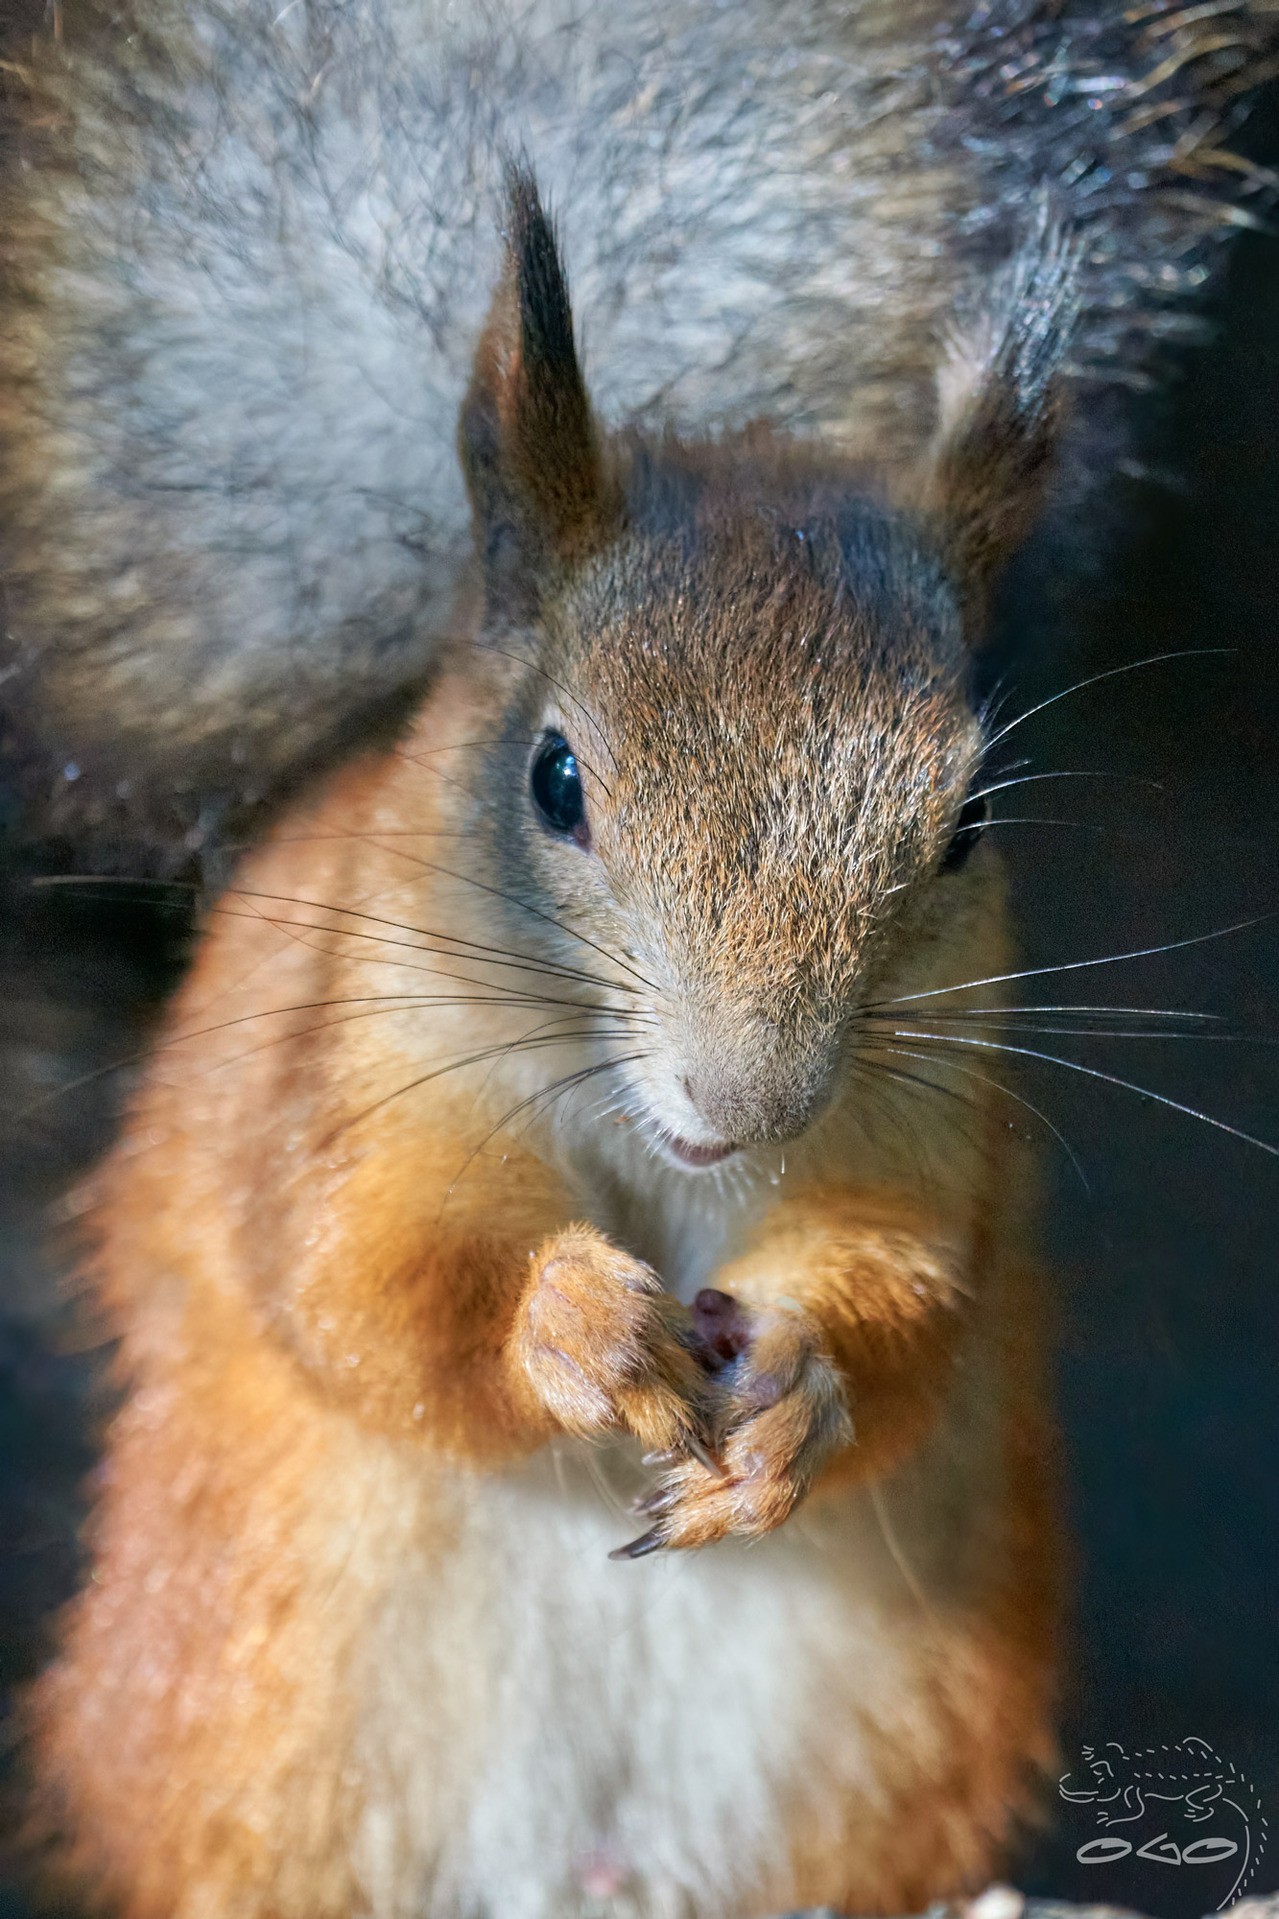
(704,1456)
(650,1542)
(663,1459)
(653,1505)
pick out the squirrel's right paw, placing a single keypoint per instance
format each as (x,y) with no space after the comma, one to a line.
(604,1346)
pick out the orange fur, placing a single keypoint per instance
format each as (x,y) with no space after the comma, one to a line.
(289,1312)
(351,1643)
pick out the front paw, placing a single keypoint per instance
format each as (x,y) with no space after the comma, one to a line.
(604,1347)
(782,1412)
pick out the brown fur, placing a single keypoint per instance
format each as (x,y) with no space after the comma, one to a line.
(365,1271)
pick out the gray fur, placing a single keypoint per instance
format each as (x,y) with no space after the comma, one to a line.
(249,265)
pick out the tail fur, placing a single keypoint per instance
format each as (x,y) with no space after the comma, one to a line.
(248,252)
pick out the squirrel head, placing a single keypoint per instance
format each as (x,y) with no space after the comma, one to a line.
(738,739)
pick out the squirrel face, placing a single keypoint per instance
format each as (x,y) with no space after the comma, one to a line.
(749,778)
(738,737)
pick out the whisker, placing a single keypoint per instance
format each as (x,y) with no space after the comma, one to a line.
(1043,819)
(1095,1072)
(917,1080)
(1034,779)
(1123,1012)
(991,1018)
(1074,966)
(910,1579)
(569,1079)
(419,759)
(423,1079)
(383,833)
(871,1066)
(1127,834)
(348,1019)
(996,700)
(557,1088)
(376,1002)
(460,746)
(404,999)
(572,1082)
(295,927)
(548,919)
(438,773)
(998,1085)
(131,886)
(488,647)
(566,1029)
(1111,673)
(477,950)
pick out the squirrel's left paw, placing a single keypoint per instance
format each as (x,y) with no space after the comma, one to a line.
(782,1413)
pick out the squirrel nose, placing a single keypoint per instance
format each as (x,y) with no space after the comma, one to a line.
(763,1088)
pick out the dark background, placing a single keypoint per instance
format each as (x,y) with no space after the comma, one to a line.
(1168,1368)
(1165,1263)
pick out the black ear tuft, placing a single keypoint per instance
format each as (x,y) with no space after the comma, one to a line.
(546,318)
(529,447)
(1000,409)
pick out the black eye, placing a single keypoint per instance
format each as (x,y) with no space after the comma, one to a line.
(969,829)
(556,786)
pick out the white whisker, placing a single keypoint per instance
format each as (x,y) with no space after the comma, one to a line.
(1075,966)
(1094,1072)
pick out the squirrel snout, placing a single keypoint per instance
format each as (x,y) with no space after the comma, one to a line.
(760,1088)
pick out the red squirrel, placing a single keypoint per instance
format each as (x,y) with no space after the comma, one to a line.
(549,1166)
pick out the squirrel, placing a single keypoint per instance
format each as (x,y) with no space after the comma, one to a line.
(246,255)
(556,1091)
(558,1115)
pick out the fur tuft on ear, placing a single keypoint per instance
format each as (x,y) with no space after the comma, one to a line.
(529,446)
(999,395)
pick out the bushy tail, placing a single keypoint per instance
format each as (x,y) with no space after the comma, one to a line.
(248,251)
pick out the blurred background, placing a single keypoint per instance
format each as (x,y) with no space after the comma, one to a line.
(1160,1243)
(1166,1263)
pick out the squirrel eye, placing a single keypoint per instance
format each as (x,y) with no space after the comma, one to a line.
(556,786)
(968,830)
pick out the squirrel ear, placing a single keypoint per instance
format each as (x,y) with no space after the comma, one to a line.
(529,448)
(1000,406)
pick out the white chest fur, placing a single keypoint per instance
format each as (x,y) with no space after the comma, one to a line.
(539,1721)
(546,1732)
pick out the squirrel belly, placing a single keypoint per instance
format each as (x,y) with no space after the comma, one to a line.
(466,1703)
(760,1723)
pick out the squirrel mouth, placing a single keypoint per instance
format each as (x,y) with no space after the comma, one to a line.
(689,1155)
